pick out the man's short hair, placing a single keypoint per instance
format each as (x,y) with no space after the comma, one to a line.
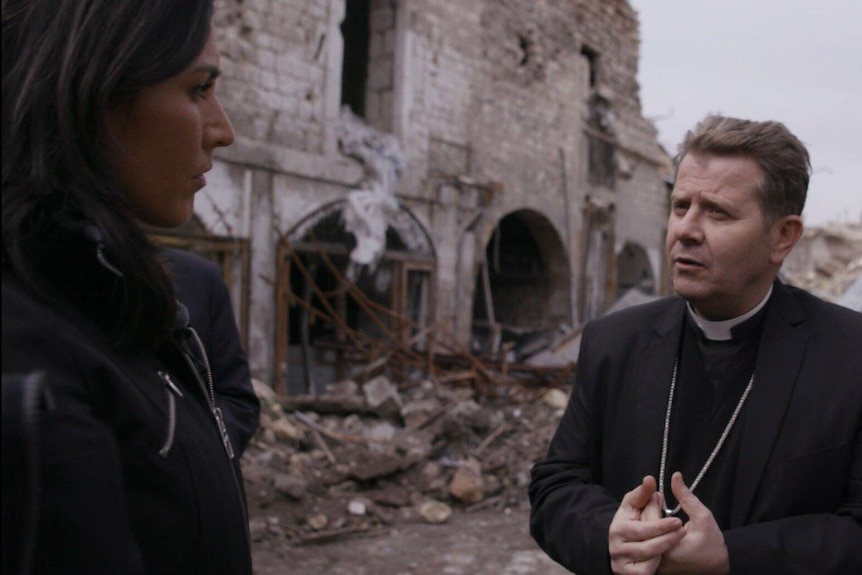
(782,157)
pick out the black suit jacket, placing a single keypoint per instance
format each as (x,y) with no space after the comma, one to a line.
(200,287)
(797,500)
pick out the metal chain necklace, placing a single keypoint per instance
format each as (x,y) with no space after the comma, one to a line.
(703,470)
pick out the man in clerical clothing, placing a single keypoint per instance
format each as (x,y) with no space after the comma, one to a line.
(719,430)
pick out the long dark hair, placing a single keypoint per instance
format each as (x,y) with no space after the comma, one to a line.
(65,63)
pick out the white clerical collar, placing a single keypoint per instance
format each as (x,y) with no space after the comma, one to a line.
(720,330)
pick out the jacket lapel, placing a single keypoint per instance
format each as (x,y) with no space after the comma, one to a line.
(779,357)
(654,369)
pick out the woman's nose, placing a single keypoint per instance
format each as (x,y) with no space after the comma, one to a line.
(219,129)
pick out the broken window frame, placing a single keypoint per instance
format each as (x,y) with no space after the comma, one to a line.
(399,324)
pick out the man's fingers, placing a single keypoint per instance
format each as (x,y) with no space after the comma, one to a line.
(687,499)
(637,498)
(653,509)
(651,529)
(642,541)
(636,531)
(660,544)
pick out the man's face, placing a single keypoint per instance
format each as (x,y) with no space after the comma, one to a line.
(721,253)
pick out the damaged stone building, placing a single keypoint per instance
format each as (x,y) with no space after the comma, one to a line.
(480,171)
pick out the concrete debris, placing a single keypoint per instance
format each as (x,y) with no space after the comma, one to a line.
(467,484)
(435,511)
(289,486)
(257,529)
(347,388)
(318,521)
(852,297)
(417,413)
(826,261)
(327,472)
(555,398)
(382,397)
(285,431)
(357,508)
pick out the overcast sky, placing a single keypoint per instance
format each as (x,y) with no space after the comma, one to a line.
(795,61)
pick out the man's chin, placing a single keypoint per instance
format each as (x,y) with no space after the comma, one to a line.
(689,290)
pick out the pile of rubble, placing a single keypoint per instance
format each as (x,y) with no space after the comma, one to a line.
(826,260)
(360,457)
(830,279)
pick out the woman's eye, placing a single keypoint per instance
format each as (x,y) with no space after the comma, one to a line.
(201,90)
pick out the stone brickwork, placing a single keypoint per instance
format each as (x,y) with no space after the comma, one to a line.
(490,101)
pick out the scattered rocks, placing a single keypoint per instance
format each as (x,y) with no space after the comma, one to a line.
(382,397)
(286,431)
(467,484)
(435,511)
(374,454)
(826,260)
(357,508)
(555,398)
(290,486)
(317,521)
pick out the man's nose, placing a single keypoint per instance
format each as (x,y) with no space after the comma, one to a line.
(688,228)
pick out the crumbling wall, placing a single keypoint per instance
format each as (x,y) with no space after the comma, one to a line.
(489,101)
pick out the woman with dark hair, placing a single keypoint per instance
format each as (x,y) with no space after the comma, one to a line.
(110,119)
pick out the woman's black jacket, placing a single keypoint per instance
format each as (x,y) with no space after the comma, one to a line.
(132,475)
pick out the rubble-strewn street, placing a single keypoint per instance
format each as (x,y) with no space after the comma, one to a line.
(362,459)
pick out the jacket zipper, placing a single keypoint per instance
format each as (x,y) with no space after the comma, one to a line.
(170,390)
(208,390)
(209,393)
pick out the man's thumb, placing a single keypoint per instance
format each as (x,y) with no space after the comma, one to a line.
(638,497)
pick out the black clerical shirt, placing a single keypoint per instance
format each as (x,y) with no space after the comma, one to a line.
(711,379)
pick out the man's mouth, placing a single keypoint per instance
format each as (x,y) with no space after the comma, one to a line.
(684,262)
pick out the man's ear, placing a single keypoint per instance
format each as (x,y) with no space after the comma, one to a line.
(785,232)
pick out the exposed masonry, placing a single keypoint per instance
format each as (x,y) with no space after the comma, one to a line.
(523,110)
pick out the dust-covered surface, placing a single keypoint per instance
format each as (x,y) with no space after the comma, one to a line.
(487,542)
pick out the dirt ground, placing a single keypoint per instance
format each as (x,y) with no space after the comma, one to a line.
(487,542)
